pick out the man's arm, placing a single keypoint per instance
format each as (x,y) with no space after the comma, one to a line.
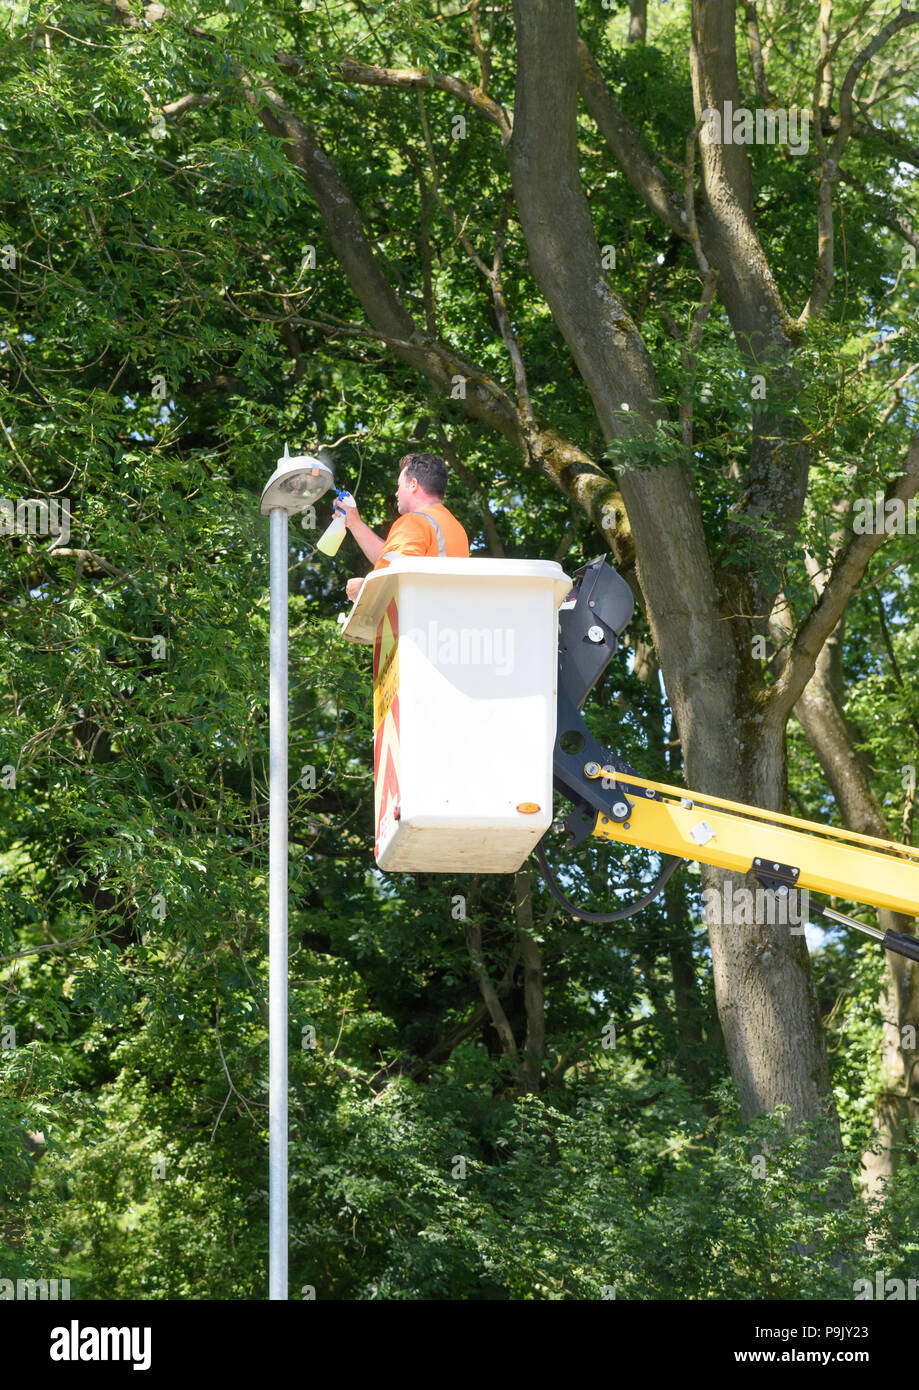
(367,539)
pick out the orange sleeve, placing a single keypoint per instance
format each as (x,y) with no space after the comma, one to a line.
(408,535)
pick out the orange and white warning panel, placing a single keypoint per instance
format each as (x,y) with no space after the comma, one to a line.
(465,665)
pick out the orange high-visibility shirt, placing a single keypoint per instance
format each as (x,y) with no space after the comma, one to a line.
(414,534)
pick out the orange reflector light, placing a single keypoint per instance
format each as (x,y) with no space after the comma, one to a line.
(528,808)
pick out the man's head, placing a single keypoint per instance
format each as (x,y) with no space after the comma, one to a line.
(422,480)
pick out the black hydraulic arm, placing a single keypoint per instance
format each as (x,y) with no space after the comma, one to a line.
(589,626)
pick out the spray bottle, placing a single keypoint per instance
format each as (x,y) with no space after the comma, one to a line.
(333,535)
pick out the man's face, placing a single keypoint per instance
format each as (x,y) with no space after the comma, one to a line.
(405,491)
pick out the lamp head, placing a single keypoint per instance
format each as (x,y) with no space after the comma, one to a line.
(295,483)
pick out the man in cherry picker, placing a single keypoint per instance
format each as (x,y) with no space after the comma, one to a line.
(424,526)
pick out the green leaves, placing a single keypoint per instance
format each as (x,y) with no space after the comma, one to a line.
(162,339)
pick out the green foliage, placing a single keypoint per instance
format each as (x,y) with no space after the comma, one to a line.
(163,335)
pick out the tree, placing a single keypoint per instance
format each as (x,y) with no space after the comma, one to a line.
(713,597)
(383,230)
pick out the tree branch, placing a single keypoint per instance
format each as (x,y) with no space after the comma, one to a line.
(906,152)
(891,655)
(177,108)
(409,79)
(902,20)
(533,986)
(756,53)
(99,562)
(626,144)
(480,51)
(473,934)
(826,64)
(638,21)
(897,223)
(824,270)
(847,574)
(567,466)
(689,352)
(493,276)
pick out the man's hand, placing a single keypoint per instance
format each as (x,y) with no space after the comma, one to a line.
(353,588)
(351,515)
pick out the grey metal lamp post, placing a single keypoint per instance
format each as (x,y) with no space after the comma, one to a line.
(294,485)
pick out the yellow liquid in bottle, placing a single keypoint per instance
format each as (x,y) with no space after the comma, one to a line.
(330,541)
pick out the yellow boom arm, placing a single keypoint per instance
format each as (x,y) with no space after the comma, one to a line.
(731,835)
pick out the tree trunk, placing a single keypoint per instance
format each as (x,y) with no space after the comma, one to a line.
(687,1002)
(638,21)
(897,1101)
(765,993)
(533,985)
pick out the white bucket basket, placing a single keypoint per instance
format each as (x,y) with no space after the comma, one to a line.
(464,693)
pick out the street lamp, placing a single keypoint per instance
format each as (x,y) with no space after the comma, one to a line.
(294,485)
